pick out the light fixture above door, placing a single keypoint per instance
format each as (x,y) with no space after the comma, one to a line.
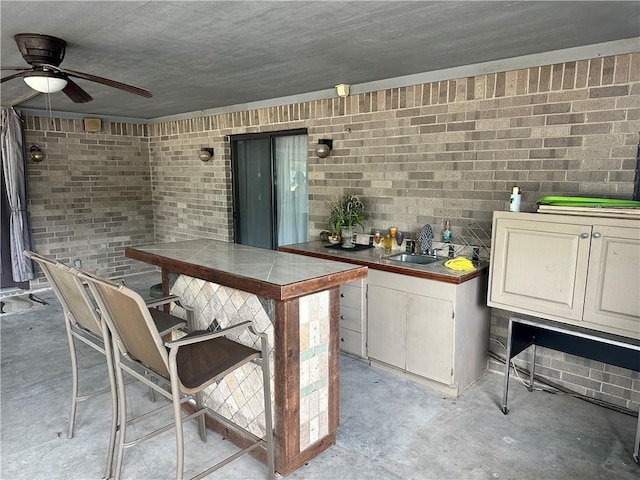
(324,147)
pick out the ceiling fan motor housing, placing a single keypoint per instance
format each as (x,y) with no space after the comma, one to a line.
(39,49)
(45,53)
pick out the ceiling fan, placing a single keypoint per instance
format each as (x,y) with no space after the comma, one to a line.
(45,53)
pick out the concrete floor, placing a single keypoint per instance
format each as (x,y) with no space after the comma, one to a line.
(390,428)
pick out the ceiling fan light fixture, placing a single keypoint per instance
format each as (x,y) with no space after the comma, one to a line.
(45,82)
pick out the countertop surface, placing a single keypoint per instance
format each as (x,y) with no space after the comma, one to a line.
(375,258)
(243,266)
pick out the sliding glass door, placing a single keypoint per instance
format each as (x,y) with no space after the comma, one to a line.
(270,189)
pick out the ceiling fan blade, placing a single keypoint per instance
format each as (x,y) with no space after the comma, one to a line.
(76,93)
(9,77)
(15,68)
(110,83)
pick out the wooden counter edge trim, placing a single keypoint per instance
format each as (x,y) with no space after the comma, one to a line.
(334,360)
(258,287)
(325,282)
(389,268)
(286,411)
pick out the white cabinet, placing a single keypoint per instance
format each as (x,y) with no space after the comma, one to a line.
(575,269)
(430,336)
(387,328)
(353,308)
(435,332)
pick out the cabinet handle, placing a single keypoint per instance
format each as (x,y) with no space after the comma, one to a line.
(342,339)
(584,235)
(341,317)
(342,295)
(596,235)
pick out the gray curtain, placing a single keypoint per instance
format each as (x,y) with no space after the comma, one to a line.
(13,167)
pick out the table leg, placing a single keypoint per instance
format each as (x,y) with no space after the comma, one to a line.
(505,410)
(533,368)
(637,447)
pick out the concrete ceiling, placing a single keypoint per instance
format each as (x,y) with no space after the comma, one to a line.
(209,54)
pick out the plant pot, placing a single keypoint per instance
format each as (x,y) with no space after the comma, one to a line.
(347,237)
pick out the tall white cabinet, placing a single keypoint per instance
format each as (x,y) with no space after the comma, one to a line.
(582,270)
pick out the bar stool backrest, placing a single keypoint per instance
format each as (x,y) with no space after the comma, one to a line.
(132,327)
(71,293)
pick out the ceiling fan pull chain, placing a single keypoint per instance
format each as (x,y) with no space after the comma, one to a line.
(47,105)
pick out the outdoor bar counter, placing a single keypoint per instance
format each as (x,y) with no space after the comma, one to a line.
(295,299)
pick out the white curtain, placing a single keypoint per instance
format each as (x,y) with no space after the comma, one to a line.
(291,189)
(13,168)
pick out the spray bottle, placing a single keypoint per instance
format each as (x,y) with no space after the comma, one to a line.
(447,237)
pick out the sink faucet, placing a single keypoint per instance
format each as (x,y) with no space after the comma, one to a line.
(424,250)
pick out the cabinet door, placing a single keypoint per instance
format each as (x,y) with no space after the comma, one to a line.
(430,338)
(387,328)
(539,267)
(613,285)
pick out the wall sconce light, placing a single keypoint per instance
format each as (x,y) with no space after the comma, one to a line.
(324,147)
(342,89)
(205,154)
(35,154)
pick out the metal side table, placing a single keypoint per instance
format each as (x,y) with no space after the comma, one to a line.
(603,347)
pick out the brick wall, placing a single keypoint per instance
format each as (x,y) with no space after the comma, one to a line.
(446,150)
(425,153)
(191,199)
(418,154)
(91,196)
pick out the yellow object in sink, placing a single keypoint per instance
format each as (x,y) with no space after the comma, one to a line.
(460,264)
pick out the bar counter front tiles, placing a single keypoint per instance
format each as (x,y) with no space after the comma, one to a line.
(296,301)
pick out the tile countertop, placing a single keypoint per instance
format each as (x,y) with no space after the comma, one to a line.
(272,273)
(375,258)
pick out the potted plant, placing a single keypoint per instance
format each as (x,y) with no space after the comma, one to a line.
(347,211)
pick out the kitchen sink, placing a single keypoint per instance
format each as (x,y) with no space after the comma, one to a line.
(412,258)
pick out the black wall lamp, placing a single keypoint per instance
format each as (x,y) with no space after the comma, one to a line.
(205,154)
(324,147)
(35,154)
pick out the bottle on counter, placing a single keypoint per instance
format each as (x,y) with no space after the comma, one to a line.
(514,200)
(387,242)
(376,239)
(447,234)
(410,245)
(447,237)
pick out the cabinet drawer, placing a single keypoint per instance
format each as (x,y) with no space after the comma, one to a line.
(351,318)
(351,296)
(351,342)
